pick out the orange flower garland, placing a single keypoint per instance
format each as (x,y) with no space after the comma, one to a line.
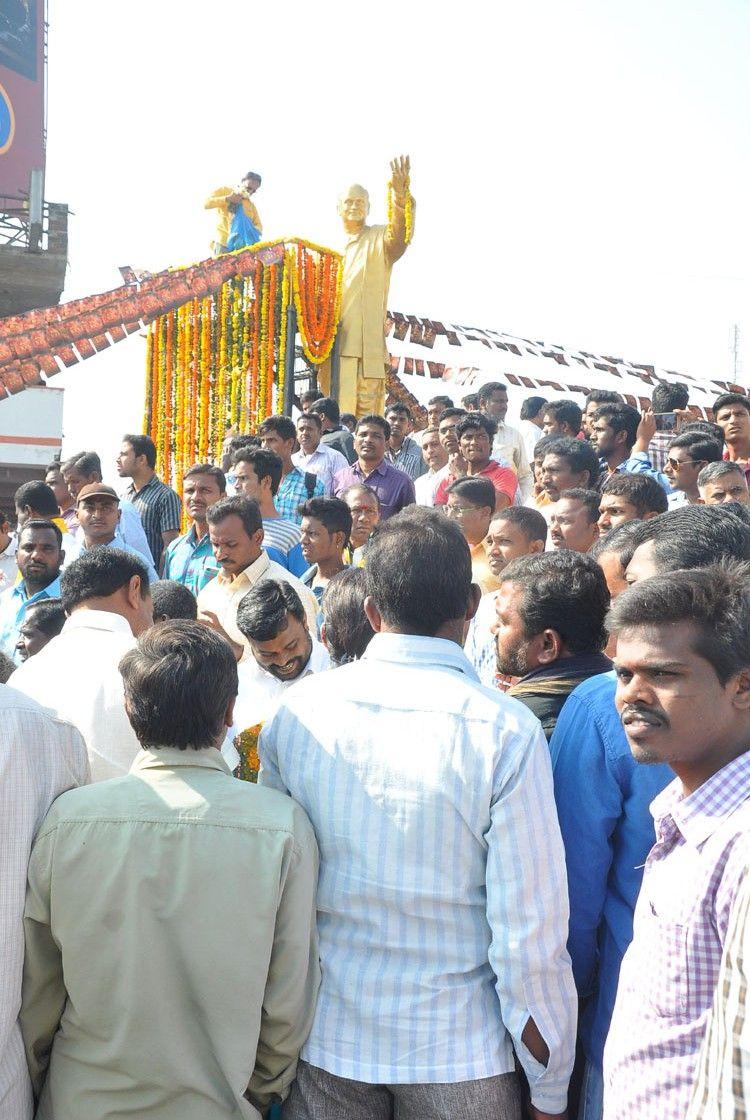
(317,280)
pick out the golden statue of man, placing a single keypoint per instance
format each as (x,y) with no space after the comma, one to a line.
(369,255)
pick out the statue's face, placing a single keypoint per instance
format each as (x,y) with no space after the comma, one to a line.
(353,208)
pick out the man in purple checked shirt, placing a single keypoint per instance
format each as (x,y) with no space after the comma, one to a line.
(683,695)
(394,489)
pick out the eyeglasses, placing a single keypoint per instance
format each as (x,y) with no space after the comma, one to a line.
(675,463)
(458,511)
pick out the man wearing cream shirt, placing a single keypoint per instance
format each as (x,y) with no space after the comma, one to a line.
(171,954)
(235,527)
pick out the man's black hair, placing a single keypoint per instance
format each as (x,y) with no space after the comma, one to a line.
(262,613)
(565,412)
(714,600)
(347,628)
(283,426)
(328,407)
(333,513)
(449,413)
(373,420)
(216,473)
(727,399)
(621,542)
(668,397)
(604,396)
(588,498)
(38,496)
(179,682)
(579,455)
(532,406)
(41,523)
(310,395)
(314,417)
(265,464)
(246,509)
(174,600)
(713,431)
(399,407)
(641,490)
(530,521)
(49,616)
(620,418)
(142,445)
(694,536)
(479,491)
(486,391)
(563,591)
(85,463)
(475,420)
(434,587)
(98,573)
(700,446)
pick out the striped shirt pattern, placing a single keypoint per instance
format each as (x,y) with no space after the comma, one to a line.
(408,458)
(669,974)
(293,493)
(442,899)
(161,512)
(722,1088)
(40,757)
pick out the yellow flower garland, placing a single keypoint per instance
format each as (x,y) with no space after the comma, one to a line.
(408,211)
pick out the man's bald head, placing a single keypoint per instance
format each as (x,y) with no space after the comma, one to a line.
(354,206)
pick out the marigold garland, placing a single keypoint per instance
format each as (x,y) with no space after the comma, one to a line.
(408,211)
(218,359)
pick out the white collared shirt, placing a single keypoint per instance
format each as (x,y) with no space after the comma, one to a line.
(508,448)
(325,462)
(442,897)
(76,675)
(425,487)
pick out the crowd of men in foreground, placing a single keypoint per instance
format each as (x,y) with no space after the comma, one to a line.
(412,780)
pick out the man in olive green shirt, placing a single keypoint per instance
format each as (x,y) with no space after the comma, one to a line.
(171,958)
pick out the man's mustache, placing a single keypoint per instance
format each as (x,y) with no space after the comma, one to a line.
(640,713)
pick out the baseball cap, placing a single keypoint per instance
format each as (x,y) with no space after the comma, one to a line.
(97,490)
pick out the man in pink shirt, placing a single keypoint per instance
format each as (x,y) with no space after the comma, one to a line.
(475,434)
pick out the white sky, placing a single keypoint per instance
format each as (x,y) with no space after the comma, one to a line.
(581,170)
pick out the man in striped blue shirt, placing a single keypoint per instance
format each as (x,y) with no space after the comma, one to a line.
(257,474)
(442,908)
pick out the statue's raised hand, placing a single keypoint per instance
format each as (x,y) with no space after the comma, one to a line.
(400,168)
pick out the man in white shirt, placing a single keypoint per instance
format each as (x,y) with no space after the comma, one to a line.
(530,425)
(40,757)
(107,598)
(508,447)
(235,527)
(442,908)
(316,457)
(272,619)
(435,457)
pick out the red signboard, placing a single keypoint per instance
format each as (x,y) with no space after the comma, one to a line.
(21,93)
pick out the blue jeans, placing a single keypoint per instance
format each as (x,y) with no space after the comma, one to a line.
(592,1094)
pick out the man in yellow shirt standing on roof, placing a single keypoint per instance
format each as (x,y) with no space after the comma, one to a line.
(227,200)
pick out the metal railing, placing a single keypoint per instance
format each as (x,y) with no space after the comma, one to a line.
(18,229)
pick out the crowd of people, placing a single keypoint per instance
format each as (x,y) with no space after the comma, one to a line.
(385,771)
